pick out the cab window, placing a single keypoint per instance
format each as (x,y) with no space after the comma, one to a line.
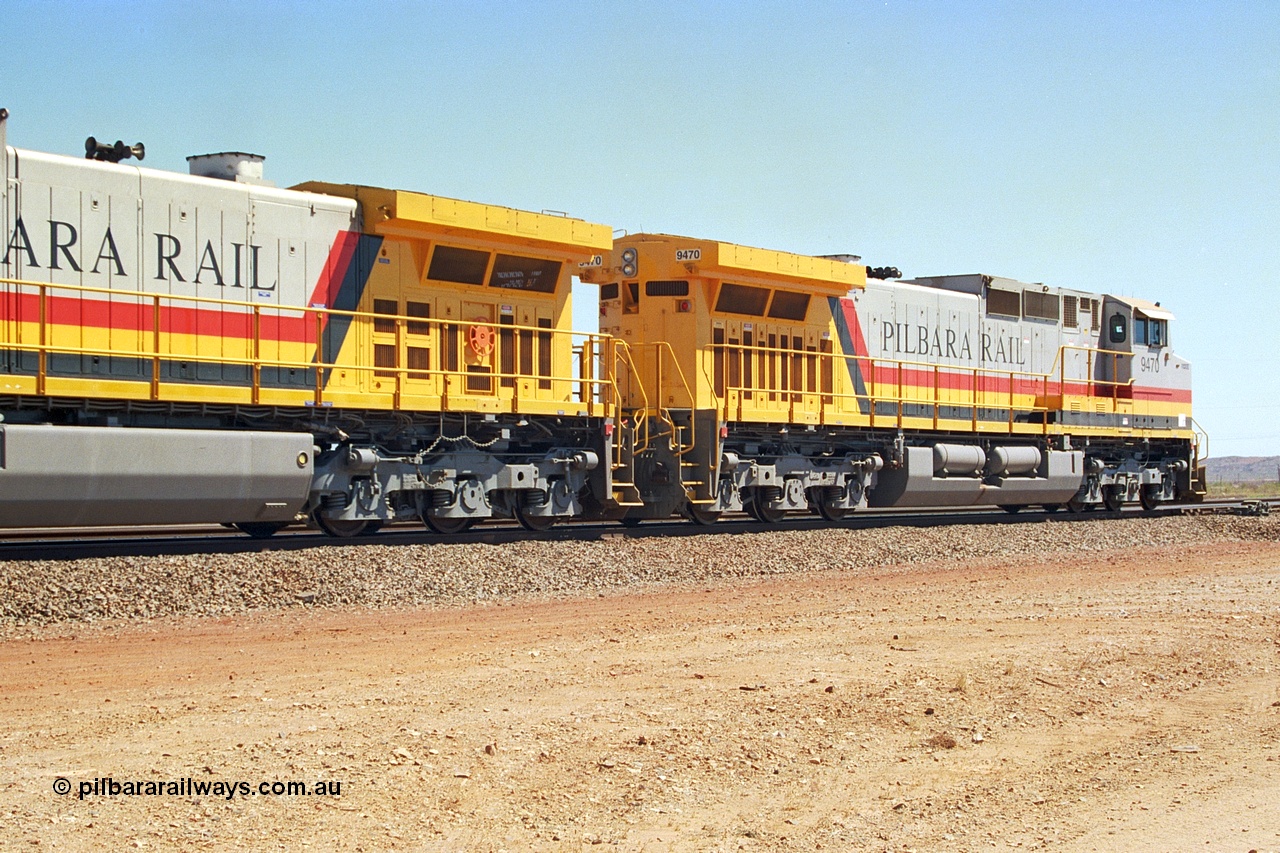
(1119,328)
(1150,332)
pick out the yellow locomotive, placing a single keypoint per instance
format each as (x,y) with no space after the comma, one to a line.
(775,383)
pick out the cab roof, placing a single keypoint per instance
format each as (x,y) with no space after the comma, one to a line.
(412,214)
(716,259)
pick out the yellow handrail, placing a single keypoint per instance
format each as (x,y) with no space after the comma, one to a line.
(436,338)
(664,411)
(624,349)
(1201,446)
(900,397)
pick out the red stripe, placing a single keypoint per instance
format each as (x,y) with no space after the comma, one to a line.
(221,321)
(335,268)
(1168,395)
(855,327)
(915,378)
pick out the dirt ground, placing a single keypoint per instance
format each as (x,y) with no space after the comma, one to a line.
(1114,701)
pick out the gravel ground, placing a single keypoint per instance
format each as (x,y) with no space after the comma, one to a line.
(1102,686)
(43,593)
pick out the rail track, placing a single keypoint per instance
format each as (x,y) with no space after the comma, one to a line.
(70,543)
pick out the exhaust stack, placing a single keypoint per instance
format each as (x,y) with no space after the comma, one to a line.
(238,166)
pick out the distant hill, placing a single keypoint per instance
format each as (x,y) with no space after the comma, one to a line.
(1243,469)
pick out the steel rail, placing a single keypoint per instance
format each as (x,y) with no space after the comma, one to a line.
(73,544)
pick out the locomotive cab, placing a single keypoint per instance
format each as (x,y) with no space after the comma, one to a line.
(775,383)
(1136,330)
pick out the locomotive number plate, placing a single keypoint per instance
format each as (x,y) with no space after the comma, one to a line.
(688,254)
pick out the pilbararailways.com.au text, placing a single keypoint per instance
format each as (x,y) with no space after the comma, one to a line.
(109,787)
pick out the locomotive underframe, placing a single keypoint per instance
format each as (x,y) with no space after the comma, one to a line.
(447,489)
(173,462)
(362,468)
(768,471)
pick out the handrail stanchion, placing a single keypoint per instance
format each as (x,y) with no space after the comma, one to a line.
(901,393)
(935,396)
(976,396)
(155,347)
(319,372)
(1011,375)
(256,393)
(42,358)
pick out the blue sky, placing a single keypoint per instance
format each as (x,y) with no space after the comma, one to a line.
(1125,147)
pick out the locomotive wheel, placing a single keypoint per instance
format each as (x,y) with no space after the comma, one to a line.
(763,513)
(1075,505)
(341,528)
(1149,497)
(534,523)
(439,524)
(701,517)
(1051,508)
(1113,498)
(630,521)
(1012,509)
(832,513)
(371,527)
(260,529)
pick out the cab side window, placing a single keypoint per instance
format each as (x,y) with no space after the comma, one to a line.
(1140,330)
(1119,328)
(1156,333)
(1149,332)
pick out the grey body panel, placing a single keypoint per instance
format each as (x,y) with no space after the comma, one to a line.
(64,476)
(944,320)
(227,240)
